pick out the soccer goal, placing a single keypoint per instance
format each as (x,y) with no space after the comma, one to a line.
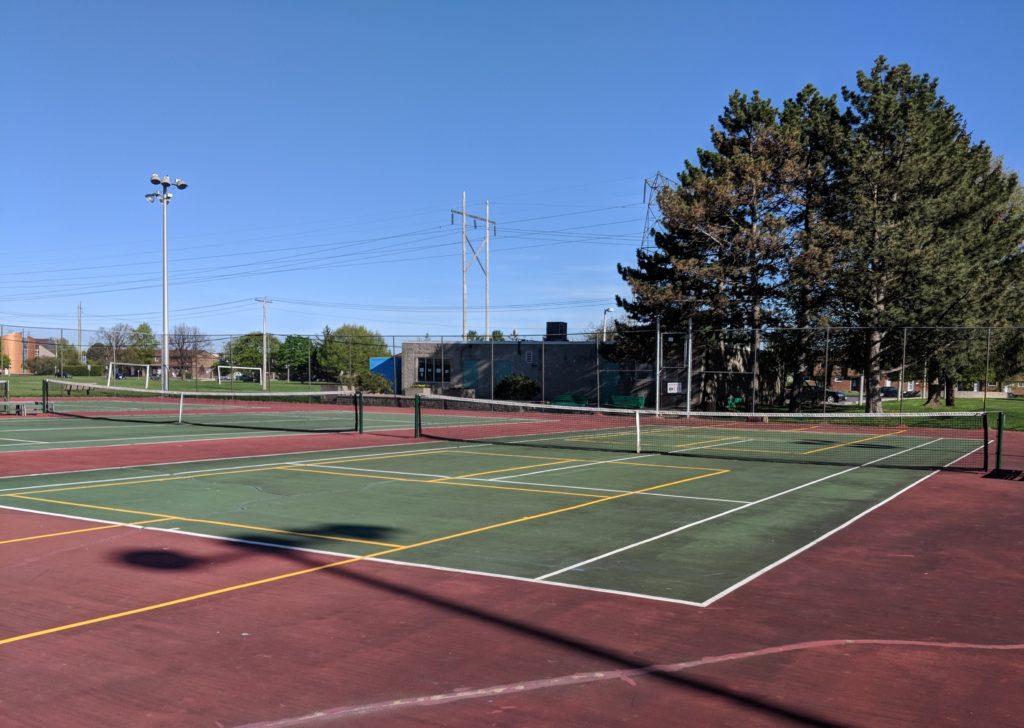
(231,374)
(122,370)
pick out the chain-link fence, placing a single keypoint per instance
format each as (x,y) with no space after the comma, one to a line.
(693,368)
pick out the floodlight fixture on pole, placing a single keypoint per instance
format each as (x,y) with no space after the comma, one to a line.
(165,198)
(604,325)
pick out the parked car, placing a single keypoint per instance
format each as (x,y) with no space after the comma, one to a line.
(890,392)
(812,393)
(65,375)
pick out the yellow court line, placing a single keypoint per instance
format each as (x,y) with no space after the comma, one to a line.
(333,564)
(445,481)
(186,519)
(488,453)
(364,458)
(551,461)
(84,530)
(751,449)
(633,464)
(855,442)
(148,481)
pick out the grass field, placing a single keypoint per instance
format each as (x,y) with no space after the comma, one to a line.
(1014,408)
(31,385)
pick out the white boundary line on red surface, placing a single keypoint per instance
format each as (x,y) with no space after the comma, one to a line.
(824,536)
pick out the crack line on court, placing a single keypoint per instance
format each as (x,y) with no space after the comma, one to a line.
(583,678)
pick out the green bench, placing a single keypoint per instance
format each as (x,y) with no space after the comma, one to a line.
(627,401)
(569,400)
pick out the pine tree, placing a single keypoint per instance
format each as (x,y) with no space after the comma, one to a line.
(723,244)
(920,206)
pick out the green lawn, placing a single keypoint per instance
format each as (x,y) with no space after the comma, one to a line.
(31,385)
(1014,408)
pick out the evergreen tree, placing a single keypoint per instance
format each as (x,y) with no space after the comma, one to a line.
(723,248)
(926,216)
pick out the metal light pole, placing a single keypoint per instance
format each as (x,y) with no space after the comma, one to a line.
(165,199)
(604,325)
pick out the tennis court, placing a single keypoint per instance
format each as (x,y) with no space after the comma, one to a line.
(541,531)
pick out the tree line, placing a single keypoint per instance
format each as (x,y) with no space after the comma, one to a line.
(336,355)
(869,214)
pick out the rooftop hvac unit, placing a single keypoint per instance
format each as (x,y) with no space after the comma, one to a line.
(557,331)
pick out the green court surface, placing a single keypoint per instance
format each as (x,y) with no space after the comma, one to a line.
(683,529)
(43,433)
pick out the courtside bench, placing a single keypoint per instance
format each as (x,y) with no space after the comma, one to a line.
(569,400)
(20,408)
(627,401)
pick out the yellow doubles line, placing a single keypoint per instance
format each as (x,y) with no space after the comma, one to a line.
(144,481)
(437,481)
(855,442)
(186,519)
(85,530)
(334,564)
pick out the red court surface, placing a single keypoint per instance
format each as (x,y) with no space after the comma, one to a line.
(71,459)
(912,616)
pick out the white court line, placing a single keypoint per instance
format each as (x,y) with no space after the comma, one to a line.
(722,514)
(835,530)
(391,562)
(20,442)
(505,481)
(709,445)
(320,453)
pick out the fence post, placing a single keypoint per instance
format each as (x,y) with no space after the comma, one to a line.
(543,371)
(689,364)
(988,356)
(824,389)
(657,364)
(903,367)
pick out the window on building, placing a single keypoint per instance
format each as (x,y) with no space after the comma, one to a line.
(433,371)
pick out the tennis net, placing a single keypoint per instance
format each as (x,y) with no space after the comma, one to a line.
(320,411)
(929,440)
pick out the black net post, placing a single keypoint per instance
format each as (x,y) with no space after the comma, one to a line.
(984,425)
(359,412)
(417,420)
(1000,425)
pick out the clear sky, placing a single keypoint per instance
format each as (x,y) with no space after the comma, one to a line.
(325,142)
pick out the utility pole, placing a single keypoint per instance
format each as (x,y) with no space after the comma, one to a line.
(80,356)
(263,373)
(485,263)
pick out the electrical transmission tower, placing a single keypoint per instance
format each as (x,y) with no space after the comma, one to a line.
(484,263)
(652,187)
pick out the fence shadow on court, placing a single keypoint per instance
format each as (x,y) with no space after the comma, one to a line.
(287,548)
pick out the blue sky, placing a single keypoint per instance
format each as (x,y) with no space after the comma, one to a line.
(325,142)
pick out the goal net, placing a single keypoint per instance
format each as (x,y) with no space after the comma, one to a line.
(238,374)
(117,370)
